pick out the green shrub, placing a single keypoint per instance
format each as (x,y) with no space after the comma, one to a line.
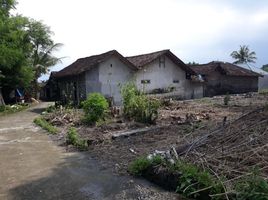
(138,166)
(45,125)
(226,99)
(137,105)
(263,91)
(51,108)
(193,179)
(74,139)
(6,109)
(252,187)
(95,107)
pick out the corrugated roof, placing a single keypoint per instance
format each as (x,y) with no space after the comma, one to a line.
(225,68)
(83,64)
(141,60)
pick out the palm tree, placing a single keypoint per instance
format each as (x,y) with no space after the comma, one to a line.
(42,61)
(243,56)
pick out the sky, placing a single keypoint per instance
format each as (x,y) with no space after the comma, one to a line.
(194,30)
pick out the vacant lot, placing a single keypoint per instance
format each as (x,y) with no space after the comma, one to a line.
(179,122)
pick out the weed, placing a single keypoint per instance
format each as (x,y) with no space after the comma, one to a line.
(45,125)
(95,107)
(252,187)
(7,109)
(138,106)
(226,99)
(263,92)
(74,139)
(50,108)
(140,165)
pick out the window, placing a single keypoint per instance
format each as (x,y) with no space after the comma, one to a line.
(162,61)
(176,81)
(145,81)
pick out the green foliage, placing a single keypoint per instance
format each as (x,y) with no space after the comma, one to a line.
(6,109)
(263,92)
(252,187)
(137,105)
(243,55)
(74,139)
(95,107)
(51,108)
(194,179)
(25,49)
(45,125)
(226,99)
(265,67)
(140,165)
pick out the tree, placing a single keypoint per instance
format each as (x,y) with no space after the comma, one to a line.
(15,48)
(243,56)
(265,67)
(26,49)
(43,47)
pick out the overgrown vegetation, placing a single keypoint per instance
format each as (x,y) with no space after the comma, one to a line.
(95,107)
(45,125)
(263,92)
(137,105)
(74,139)
(198,183)
(226,99)
(6,109)
(252,187)
(140,165)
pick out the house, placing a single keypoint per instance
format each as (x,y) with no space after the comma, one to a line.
(162,70)
(50,90)
(104,72)
(99,73)
(223,77)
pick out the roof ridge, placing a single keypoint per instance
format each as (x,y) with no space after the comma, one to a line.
(145,54)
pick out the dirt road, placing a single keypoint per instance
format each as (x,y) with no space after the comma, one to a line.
(32,167)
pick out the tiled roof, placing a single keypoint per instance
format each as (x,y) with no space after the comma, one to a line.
(84,64)
(142,60)
(225,68)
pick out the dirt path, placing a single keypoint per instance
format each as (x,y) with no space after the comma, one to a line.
(33,167)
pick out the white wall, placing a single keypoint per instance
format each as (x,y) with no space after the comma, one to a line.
(112,73)
(162,77)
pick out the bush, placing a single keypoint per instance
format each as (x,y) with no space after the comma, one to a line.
(74,139)
(45,125)
(95,107)
(138,106)
(226,99)
(140,165)
(252,187)
(191,181)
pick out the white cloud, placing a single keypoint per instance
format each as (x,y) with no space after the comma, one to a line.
(88,27)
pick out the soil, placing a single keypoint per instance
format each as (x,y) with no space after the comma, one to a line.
(178,120)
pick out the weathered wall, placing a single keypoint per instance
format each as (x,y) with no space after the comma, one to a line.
(112,73)
(263,82)
(92,80)
(166,76)
(218,84)
(72,89)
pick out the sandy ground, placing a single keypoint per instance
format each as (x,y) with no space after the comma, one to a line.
(33,167)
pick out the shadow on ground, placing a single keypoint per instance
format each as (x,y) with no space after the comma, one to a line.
(78,177)
(38,110)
